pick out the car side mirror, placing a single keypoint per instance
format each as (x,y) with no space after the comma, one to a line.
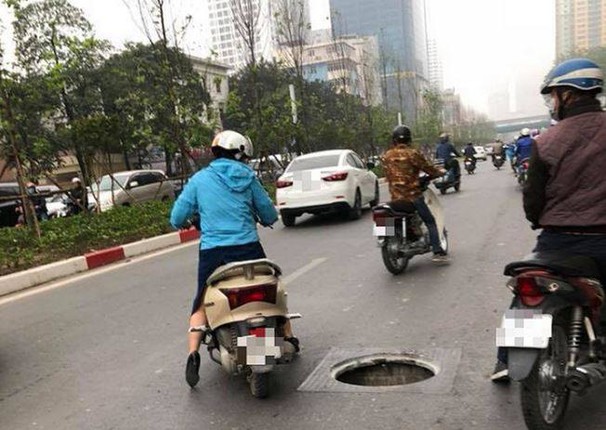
(370,165)
(133,184)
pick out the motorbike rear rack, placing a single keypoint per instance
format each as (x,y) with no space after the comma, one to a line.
(248,269)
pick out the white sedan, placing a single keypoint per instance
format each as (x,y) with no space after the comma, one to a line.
(480,153)
(335,180)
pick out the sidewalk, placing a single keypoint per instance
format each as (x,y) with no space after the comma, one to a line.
(40,275)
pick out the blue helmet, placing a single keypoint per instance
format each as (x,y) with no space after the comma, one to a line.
(580,73)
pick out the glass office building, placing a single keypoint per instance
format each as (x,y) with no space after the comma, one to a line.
(400,26)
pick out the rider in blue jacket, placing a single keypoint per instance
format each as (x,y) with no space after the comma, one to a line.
(230,201)
(523,146)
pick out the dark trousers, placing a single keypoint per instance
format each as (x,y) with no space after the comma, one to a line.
(593,246)
(430,222)
(211,259)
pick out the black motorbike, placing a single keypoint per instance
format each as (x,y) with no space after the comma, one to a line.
(452,179)
(497,161)
(401,233)
(470,165)
(522,171)
(549,333)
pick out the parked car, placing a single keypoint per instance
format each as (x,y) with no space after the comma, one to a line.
(130,187)
(57,206)
(8,214)
(325,181)
(480,153)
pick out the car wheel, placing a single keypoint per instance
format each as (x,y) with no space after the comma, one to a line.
(288,219)
(375,200)
(356,211)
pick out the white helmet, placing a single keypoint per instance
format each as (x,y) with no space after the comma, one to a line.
(525,132)
(233,141)
(76,180)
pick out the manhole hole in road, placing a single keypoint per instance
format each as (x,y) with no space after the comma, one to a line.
(379,370)
(383,370)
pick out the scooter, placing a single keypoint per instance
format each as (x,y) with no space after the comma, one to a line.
(497,161)
(470,165)
(245,304)
(522,171)
(451,179)
(401,233)
(549,333)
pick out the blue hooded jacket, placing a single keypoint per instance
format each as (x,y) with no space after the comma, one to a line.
(524,147)
(230,200)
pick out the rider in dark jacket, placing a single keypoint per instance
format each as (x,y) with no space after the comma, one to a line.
(565,193)
(446,152)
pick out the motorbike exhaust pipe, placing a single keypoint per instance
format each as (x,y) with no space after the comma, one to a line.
(587,376)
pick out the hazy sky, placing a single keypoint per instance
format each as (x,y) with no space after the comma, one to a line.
(485,45)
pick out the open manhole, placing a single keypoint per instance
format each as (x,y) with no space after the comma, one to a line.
(383,370)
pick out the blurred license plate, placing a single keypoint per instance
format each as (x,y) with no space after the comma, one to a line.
(524,328)
(259,348)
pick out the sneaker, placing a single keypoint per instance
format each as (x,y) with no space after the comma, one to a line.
(440,257)
(192,368)
(295,342)
(500,374)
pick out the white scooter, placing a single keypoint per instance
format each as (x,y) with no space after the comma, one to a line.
(245,304)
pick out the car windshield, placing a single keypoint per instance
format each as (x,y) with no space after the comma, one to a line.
(314,163)
(106,183)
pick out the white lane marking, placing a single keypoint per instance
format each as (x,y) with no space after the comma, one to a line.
(118,265)
(303,270)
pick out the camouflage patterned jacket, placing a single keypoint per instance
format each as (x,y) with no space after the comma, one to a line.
(402,165)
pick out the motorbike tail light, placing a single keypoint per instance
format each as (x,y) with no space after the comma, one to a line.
(284,184)
(379,215)
(339,176)
(525,165)
(529,291)
(259,293)
(257,331)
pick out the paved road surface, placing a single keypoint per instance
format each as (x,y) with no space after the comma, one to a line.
(107,350)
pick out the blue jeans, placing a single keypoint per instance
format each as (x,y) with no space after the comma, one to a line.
(211,259)
(593,246)
(430,222)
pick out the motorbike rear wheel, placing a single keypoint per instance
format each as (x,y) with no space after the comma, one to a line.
(259,384)
(543,395)
(394,263)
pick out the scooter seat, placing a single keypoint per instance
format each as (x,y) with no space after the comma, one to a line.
(262,266)
(559,263)
(399,208)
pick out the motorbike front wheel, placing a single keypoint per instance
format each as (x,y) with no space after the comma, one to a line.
(544,396)
(394,263)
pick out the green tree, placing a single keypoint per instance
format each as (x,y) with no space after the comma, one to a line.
(54,39)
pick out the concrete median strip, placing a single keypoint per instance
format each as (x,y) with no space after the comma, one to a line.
(40,275)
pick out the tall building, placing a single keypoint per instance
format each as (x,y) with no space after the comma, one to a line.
(580,25)
(436,75)
(350,64)
(400,26)
(226,41)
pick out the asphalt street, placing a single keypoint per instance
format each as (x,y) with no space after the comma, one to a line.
(107,350)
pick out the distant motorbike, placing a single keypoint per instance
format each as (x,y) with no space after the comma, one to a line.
(401,233)
(246,307)
(522,171)
(470,165)
(549,334)
(452,177)
(497,161)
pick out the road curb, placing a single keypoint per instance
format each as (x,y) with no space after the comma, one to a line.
(40,275)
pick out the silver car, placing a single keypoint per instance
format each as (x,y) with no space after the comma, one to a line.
(127,188)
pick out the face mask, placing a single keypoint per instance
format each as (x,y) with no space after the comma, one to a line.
(550,104)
